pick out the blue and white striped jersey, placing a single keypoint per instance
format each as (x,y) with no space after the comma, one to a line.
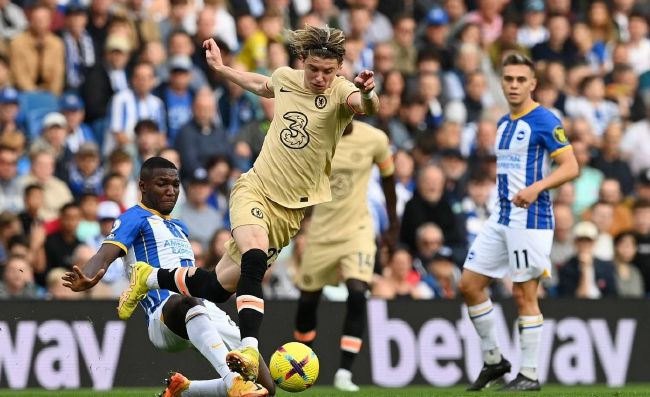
(148,236)
(525,144)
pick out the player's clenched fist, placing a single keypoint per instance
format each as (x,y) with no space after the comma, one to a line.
(212,54)
(365,81)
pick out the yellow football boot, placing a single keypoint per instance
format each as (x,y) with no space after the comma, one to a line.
(136,292)
(245,361)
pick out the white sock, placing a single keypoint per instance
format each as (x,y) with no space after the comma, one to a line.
(482,316)
(530,334)
(206,388)
(152,280)
(249,341)
(204,336)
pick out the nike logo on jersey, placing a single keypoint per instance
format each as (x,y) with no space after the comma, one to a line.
(282,89)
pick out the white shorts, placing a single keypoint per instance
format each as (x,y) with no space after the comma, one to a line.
(499,250)
(163,338)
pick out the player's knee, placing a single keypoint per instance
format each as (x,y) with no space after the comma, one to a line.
(253,264)
(194,311)
(466,288)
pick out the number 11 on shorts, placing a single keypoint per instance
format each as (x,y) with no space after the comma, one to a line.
(525,255)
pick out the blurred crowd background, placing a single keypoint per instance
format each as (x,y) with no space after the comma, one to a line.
(90,89)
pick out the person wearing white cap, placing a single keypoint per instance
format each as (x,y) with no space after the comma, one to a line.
(584,275)
(107,213)
(53,137)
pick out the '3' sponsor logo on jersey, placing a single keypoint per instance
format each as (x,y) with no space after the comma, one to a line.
(296,136)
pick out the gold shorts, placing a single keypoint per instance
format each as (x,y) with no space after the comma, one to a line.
(249,206)
(327,263)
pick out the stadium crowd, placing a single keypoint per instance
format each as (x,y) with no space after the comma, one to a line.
(91,89)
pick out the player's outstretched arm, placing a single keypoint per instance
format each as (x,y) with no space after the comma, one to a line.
(365,101)
(254,82)
(93,271)
(567,170)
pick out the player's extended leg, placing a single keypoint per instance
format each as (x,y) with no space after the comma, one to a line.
(479,305)
(190,319)
(253,243)
(305,331)
(353,328)
(214,286)
(531,323)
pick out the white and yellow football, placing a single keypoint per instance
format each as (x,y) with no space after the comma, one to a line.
(294,367)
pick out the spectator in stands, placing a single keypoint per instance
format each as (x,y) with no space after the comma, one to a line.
(608,159)
(507,42)
(468,61)
(99,18)
(59,246)
(387,120)
(533,31)
(8,112)
(37,55)
(219,172)
(588,183)
(488,17)
(629,281)
(114,187)
(179,13)
(403,43)
(12,22)
(144,28)
(9,228)
(592,105)
(585,276)
(53,138)
(5,70)
(236,107)
(642,186)
(428,241)
(639,43)
(379,30)
(436,34)
(55,191)
(249,140)
(180,44)
(121,163)
(10,190)
(148,140)
(224,26)
(201,219)
(404,179)
(18,280)
(79,46)
(216,248)
(641,212)
(610,193)
(132,105)
(430,91)
(623,88)
(443,275)
(88,225)
(85,173)
(33,199)
(602,215)
(202,137)
(399,281)
(79,132)
(177,95)
(635,145)
(558,47)
(590,50)
(327,11)
(428,205)
(454,166)
(104,80)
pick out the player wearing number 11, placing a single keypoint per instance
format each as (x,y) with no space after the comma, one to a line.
(516,240)
(312,108)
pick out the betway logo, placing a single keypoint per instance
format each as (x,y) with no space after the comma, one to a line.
(443,350)
(56,365)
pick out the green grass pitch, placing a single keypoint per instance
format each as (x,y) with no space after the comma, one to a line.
(635,390)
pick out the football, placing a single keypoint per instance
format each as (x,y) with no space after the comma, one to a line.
(294,367)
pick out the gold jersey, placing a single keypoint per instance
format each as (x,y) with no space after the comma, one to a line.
(294,165)
(348,213)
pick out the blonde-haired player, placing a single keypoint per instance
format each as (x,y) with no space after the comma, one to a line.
(341,240)
(312,108)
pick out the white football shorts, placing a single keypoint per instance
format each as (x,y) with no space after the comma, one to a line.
(499,250)
(163,338)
